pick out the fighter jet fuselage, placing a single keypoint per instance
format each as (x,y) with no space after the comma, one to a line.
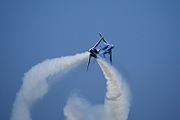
(108,47)
(93,52)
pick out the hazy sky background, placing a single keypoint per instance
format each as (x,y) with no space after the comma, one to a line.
(146,35)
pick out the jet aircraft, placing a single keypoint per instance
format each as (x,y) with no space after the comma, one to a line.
(107,49)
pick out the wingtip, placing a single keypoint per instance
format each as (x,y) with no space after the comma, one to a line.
(100,34)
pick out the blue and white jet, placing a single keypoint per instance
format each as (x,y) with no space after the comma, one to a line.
(106,49)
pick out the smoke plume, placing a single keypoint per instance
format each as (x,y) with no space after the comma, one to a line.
(116,104)
(35,84)
(117,101)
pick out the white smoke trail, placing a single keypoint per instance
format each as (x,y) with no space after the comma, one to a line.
(117,101)
(116,105)
(35,84)
(78,108)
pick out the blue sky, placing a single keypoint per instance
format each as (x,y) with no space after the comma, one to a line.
(146,38)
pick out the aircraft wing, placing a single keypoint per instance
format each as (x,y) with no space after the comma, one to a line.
(105,41)
(100,34)
(88,63)
(97,43)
